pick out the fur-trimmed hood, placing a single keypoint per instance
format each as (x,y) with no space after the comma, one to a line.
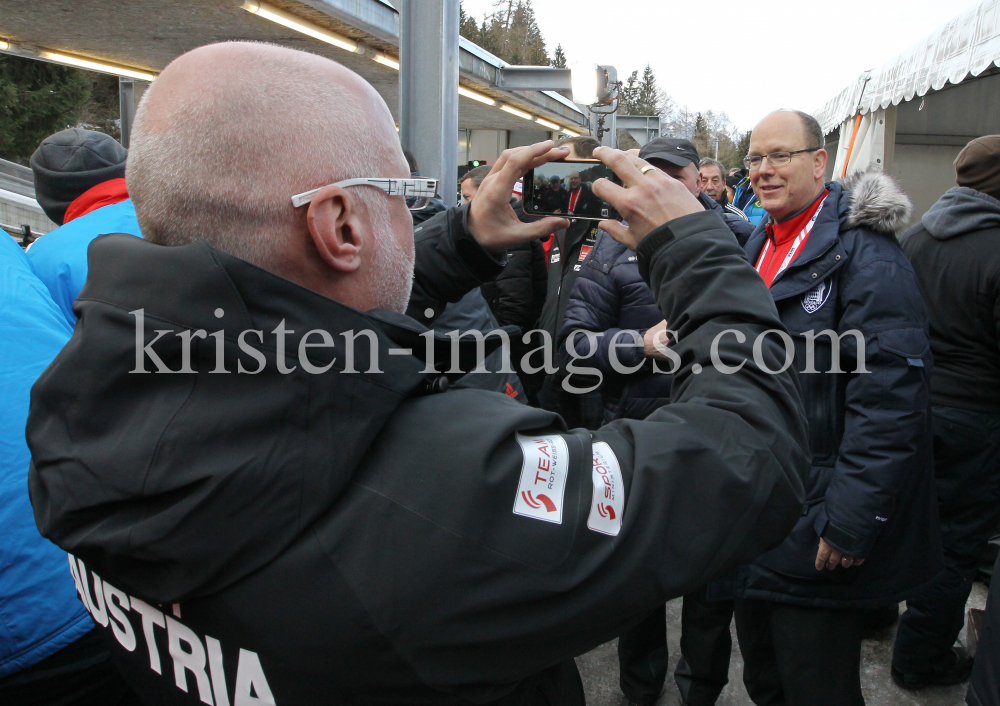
(877,202)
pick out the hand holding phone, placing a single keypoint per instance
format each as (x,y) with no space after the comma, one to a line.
(648,199)
(492,221)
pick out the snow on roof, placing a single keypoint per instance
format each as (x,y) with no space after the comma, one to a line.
(966,46)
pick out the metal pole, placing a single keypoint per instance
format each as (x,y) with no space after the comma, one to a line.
(428,89)
(126,103)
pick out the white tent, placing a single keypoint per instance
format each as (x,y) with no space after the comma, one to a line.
(912,115)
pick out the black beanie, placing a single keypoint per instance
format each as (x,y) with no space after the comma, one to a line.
(70,162)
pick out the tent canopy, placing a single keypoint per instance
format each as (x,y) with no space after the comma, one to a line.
(967,46)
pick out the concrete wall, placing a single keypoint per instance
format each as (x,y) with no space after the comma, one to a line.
(523,138)
(486,145)
(925,172)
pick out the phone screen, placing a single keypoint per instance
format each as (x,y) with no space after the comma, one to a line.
(565,188)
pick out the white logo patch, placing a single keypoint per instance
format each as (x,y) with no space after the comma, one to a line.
(816,297)
(543,477)
(555,258)
(608,505)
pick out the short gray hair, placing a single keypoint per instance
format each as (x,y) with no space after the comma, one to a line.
(584,145)
(814,132)
(222,163)
(709,162)
(477,175)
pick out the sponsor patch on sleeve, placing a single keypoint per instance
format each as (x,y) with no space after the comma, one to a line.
(543,477)
(608,505)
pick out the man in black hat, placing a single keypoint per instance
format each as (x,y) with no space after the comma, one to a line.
(706,644)
(80,184)
(679,159)
(555,198)
(955,253)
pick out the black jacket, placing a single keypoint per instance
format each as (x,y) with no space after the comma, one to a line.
(955,252)
(611,298)
(586,203)
(871,492)
(569,248)
(355,539)
(738,223)
(551,201)
(517,294)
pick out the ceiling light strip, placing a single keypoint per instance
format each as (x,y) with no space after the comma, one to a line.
(475,96)
(285,19)
(58,58)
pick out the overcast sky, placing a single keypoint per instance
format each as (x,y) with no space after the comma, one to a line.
(744,58)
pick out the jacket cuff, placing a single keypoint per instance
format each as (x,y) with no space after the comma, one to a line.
(649,245)
(482,264)
(676,229)
(841,538)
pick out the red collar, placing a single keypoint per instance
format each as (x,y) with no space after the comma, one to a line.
(785,231)
(104,194)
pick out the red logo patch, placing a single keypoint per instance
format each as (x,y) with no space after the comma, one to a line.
(539,500)
(510,391)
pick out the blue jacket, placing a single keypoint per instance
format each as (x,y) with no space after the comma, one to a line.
(59,258)
(871,491)
(39,610)
(610,296)
(745,200)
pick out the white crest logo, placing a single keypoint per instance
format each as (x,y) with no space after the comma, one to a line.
(816,297)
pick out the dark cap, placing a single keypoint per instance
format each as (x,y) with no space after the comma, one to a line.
(69,163)
(978,165)
(669,149)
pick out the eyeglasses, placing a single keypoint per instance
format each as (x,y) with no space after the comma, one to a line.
(417,192)
(775,159)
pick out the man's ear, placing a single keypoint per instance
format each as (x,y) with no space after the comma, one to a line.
(336,229)
(819,163)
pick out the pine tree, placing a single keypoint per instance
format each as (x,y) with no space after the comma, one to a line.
(467,26)
(510,32)
(742,148)
(36,100)
(701,137)
(649,93)
(559,58)
(628,95)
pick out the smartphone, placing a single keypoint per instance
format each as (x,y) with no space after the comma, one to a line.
(565,188)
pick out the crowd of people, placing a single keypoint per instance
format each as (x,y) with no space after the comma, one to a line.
(755,391)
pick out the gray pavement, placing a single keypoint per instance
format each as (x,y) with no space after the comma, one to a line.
(599,669)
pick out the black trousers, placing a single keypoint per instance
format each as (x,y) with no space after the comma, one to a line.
(800,656)
(706,647)
(967,471)
(80,674)
(984,686)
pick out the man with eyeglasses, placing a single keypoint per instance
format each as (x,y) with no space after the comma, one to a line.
(867,535)
(270,514)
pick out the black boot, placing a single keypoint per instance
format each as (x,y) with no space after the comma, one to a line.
(951,670)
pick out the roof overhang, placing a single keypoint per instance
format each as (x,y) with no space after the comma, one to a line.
(146,35)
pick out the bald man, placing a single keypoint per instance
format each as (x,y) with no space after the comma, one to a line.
(268,490)
(868,533)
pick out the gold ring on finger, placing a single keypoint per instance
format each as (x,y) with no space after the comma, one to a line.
(647,168)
